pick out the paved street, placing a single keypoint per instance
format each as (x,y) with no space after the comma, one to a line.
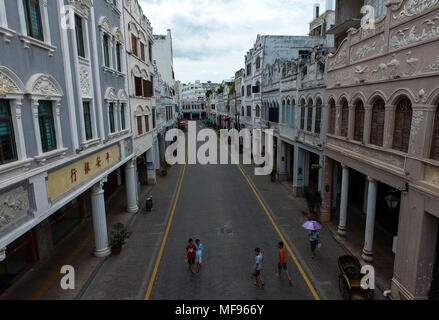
(218,206)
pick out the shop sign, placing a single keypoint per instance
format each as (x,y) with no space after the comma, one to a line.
(67,178)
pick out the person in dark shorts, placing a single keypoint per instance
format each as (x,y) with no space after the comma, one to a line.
(314,240)
(282,262)
(257,275)
(191,254)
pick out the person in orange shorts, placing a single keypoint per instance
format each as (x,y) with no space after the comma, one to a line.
(282,262)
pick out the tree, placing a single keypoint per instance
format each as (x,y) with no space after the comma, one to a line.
(209,92)
(220,89)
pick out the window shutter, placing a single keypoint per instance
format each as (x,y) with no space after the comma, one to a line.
(359,122)
(138,85)
(139,125)
(344,120)
(435,143)
(403,124)
(377,128)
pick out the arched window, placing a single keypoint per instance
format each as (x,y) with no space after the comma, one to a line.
(258,63)
(359,121)
(302,115)
(284,112)
(258,112)
(333,119)
(294,112)
(377,127)
(435,144)
(309,118)
(242,111)
(8,150)
(288,112)
(344,117)
(403,125)
(318,124)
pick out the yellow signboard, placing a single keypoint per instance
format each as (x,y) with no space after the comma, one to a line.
(71,176)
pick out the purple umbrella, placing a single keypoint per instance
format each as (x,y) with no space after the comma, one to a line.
(312,225)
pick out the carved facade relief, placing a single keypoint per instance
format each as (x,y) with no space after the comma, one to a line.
(424,30)
(84,80)
(14,205)
(412,8)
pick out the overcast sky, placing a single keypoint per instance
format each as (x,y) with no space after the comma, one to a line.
(211,37)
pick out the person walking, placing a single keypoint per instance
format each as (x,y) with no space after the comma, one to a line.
(314,240)
(199,254)
(257,269)
(282,262)
(313,227)
(190,254)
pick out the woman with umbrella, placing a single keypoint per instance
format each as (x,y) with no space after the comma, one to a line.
(314,229)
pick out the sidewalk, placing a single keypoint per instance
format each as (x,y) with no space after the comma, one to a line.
(126,277)
(288,212)
(42,281)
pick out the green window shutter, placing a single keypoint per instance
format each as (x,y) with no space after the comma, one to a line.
(7,141)
(122,116)
(79,36)
(47,130)
(87,121)
(111,115)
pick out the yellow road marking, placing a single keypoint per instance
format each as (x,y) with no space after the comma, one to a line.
(165,237)
(296,261)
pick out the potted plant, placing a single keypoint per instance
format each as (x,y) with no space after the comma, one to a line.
(118,238)
(314,201)
(273,173)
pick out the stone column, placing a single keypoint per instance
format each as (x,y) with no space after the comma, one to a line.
(367,123)
(344,202)
(99,220)
(131,187)
(370,220)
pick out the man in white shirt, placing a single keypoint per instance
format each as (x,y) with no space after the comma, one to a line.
(257,272)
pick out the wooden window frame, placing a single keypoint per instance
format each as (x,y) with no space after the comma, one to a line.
(44,142)
(112,118)
(318,122)
(377,109)
(88,136)
(106,44)
(28,18)
(434,153)
(122,116)
(139,125)
(138,86)
(359,124)
(8,119)
(401,112)
(134,45)
(309,119)
(344,132)
(80,44)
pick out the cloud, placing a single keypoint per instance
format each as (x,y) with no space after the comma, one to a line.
(211,37)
